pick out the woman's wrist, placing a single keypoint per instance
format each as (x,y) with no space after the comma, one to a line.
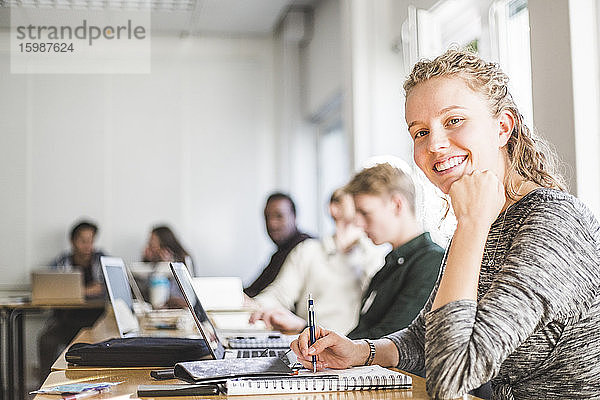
(386,353)
(473,223)
(361,353)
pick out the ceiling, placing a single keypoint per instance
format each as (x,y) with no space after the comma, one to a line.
(182,17)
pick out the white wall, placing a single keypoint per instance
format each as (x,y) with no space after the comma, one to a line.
(565,77)
(352,52)
(552,82)
(322,58)
(388,130)
(375,98)
(586,98)
(295,136)
(191,144)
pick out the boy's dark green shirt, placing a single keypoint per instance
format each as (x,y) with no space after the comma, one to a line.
(400,288)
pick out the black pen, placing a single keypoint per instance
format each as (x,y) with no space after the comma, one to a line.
(312,328)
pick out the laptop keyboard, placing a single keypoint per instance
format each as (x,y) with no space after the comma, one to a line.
(271,342)
(262,353)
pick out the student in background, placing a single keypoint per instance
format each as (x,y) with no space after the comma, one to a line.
(280,220)
(518,300)
(85,257)
(62,327)
(335,270)
(384,197)
(163,246)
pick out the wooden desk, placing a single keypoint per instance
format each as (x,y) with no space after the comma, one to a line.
(133,378)
(12,361)
(105,328)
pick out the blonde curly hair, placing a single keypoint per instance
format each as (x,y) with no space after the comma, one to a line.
(529,155)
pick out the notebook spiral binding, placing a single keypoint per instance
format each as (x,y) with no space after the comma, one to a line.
(316,384)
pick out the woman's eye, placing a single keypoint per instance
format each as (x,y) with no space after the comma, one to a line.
(454,121)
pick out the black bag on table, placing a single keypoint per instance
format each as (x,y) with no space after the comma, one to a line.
(137,352)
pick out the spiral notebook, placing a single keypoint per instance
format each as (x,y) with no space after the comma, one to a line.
(357,378)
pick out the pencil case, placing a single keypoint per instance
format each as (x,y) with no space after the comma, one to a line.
(137,352)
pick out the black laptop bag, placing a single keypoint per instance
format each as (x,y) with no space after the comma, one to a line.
(138,352)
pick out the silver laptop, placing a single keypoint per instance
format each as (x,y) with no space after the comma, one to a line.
(57,286)
(119,291)
(207,329)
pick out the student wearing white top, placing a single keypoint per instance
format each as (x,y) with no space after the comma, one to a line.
(336,270)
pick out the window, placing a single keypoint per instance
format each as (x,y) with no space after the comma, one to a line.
(333,168)
(509,33)
(497,30)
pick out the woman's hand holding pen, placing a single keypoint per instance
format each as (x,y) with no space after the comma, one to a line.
(332,350)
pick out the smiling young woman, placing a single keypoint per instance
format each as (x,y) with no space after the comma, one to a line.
(485,99)
(518,298)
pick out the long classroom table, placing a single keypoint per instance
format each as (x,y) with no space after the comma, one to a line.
(12,338)
(132,377)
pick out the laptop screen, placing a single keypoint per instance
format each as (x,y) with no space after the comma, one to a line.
(119,292)
(206,328)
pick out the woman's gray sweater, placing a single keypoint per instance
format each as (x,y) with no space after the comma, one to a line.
(535,328)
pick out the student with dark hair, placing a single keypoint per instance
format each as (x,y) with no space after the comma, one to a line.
(283,196)
(62,327)
(164,246)
(280,220)
(82,225)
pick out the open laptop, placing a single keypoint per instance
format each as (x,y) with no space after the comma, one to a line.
(223,298)
(207,329)
(220,293)
(57,286)
(119,292)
